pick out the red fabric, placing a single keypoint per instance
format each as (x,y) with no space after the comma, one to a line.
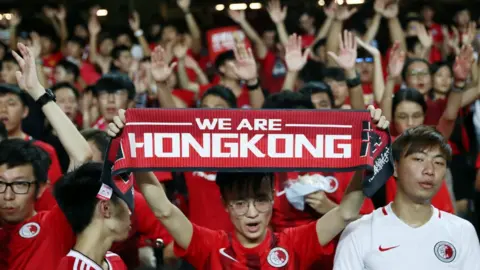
(307,40)
(78,263)
(243,100)
(441,200)
(435,109)
(188,97)
(100,124)
(144,223)
(214,250)
(477,164)
(204,202)
(272,73)
(52,59)
(89,74)
(47,237)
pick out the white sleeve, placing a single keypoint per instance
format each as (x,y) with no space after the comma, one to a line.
(349,254)
(470,243)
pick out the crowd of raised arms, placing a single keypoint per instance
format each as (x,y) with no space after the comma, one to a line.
(68,78)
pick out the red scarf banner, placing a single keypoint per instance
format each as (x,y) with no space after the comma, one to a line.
(251,140)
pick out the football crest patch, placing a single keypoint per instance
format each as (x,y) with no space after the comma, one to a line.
(445,251)
(29,230)
(278,257)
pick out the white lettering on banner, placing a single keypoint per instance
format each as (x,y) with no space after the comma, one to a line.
(225,41)
(380,162)
(224,145)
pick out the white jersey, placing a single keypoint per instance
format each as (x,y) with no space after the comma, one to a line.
(380,241)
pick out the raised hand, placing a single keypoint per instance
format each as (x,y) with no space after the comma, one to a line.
(49,12)
(463,63)
(348,51)
(469,36)
(330,10)
(245,66)
(276,12)
(36,45)
(94,26)
(27,76)
(426,38)
(117,124)
(134,21)
(378,118)
(161,70)
(294,58)
(184,5)
(16,19)
(320,202)
(379,6)
(343,13)
(61,13)
(396,61)
(237,16)
(369,48)
(180,50)
(391,11)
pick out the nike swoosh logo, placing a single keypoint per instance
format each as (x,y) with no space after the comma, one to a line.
(386,249)
(222,251)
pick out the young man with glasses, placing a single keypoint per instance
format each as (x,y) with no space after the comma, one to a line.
(31,240)
(248,199)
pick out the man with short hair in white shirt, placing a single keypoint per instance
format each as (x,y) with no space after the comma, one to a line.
(410,233)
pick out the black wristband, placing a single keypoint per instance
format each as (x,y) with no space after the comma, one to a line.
(351,83)
(253,87)
(457,89)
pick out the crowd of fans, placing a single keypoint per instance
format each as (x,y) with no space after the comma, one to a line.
(429,75)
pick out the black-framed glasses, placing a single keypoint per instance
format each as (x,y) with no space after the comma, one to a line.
(241,207)
(19,187)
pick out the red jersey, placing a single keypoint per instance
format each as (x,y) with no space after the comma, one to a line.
(100,124)
(77,261)
(286,216)
(205,202)
(145,224)
(272,72)
(39,242)
(435,109)
(442,200)
(292,249)
(243,101)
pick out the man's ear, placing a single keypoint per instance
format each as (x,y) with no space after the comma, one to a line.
(131,104)
(105,208)
(41,189)
(395,166)
(26,110)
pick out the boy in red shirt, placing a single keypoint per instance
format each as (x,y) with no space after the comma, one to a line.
(97,216)
(248,198)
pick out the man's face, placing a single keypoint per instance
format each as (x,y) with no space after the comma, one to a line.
(269,39)
(12,112)
(214,102)
(418,77)
(61,75)
(7,74)
(251,216)
(117,218)
(67,101)
(80,31)
(124,61)
(442,80)
(106,47)
(169,33)
(321,101)
(462,18)
(421,174)
(15,208)
(306,22)
(110,103)
(97,154)
(339,90)
(428,14)
(47,45)
(365,68)
(73,49)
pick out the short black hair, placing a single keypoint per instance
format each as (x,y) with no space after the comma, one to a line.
(438,65)
(117,50)
(312,71)
(3,132)
(57,86)
(76,194)
(69,67)
(222,92)
(288,100)
(78,40)
(334,73)
(98,137)
(113,82)
(408,94)
(18,152)
(13,89)
(222,58)
(318,87)
(243,183)
(411,43)
(411,61)
(416,139)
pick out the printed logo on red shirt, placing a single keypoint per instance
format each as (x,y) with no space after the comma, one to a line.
(445,251)
(278,257)
(29,230)
(332,184)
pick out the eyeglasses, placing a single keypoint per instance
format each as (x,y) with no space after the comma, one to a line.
(241,207)
(365,60)
(19,187)
(419,73)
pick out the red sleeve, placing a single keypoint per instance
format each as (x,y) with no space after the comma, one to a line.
(147,224)
(304,240)
(58,223)
(442,200)
(66,263)
(203,242)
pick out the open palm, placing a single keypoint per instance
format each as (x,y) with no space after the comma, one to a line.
(463,63)
(276,12)
(347,54)
(294,58)
(161,70)
(245,66)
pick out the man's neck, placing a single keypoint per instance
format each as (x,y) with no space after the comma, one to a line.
(249,243)
(93,244)
(233,84)
(412,213)
(17,134)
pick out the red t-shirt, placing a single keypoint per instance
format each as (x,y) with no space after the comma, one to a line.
(292,249)
(272,72)
(441,200)
(77,261)
(144,223)
(186,96)
(286,216)
(435,109)
(205,207)
(243,101)
(89,74)
(307,40)
(39,242)
(100,124)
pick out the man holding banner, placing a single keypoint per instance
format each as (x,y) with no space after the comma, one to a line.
(247,196)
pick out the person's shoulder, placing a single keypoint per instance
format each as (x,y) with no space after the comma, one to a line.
(45,146)
(115,261)
(364,223)
(454,222)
